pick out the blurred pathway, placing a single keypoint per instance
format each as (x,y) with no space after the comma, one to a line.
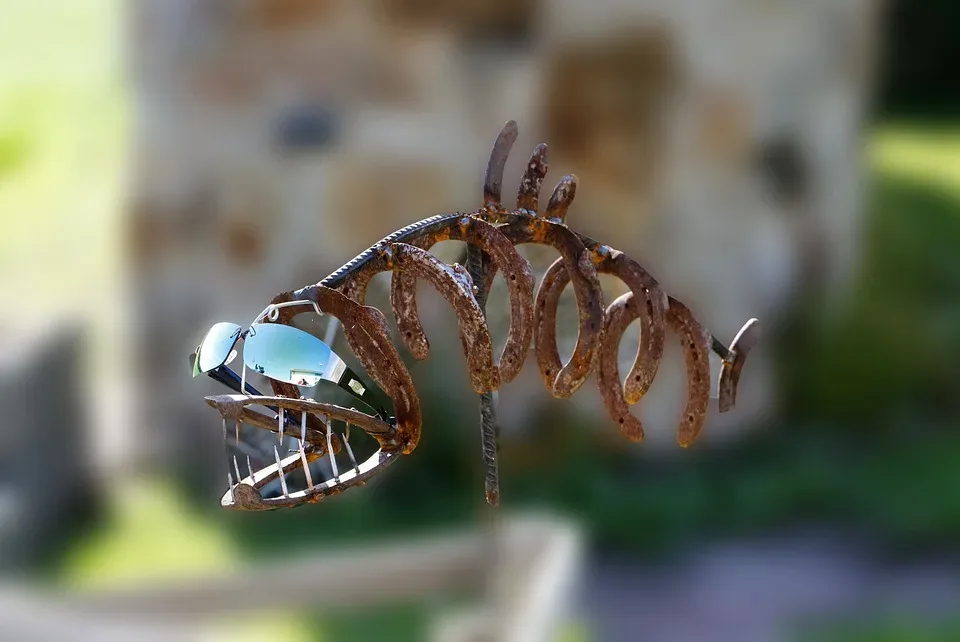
(760,591)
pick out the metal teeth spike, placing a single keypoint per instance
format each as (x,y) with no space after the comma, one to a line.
(236,469)
(283,478)
(280,426)
(230,482)
(306,467)
(331,332)
(333,459)
(346,442)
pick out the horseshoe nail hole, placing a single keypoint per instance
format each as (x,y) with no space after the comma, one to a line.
(690,418)
(409,335)
(649,306)
(621,420)
(637,378)
(513,277)
(548,372)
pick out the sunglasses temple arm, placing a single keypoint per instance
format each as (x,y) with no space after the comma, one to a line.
(231,379)
(350,382)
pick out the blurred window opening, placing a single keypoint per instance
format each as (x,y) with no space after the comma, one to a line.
(783,169)
(306,128)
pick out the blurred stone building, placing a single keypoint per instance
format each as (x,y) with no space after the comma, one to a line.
(717,143)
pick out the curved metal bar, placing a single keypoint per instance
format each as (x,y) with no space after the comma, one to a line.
(517,274)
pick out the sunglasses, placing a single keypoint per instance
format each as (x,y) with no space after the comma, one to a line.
(279,352)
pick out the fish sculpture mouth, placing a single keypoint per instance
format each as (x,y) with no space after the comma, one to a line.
(293,478)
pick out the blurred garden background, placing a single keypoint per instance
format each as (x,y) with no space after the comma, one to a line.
(842,494)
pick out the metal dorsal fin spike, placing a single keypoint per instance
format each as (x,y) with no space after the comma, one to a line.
(562,198)
(528,194)
(493,181)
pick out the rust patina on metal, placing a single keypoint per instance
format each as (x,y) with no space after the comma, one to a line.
(491,233)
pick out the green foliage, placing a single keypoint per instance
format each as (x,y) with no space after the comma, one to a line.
(404,623)
(408,623)
(921,52)
(888,629)
(893,350)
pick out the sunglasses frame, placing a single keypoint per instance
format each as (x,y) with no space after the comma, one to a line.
(345,378)
(196,362)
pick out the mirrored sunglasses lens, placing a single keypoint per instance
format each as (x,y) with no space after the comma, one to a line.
(217,345)
(287,354)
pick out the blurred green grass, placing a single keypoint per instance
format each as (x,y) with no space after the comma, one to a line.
(152,535)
